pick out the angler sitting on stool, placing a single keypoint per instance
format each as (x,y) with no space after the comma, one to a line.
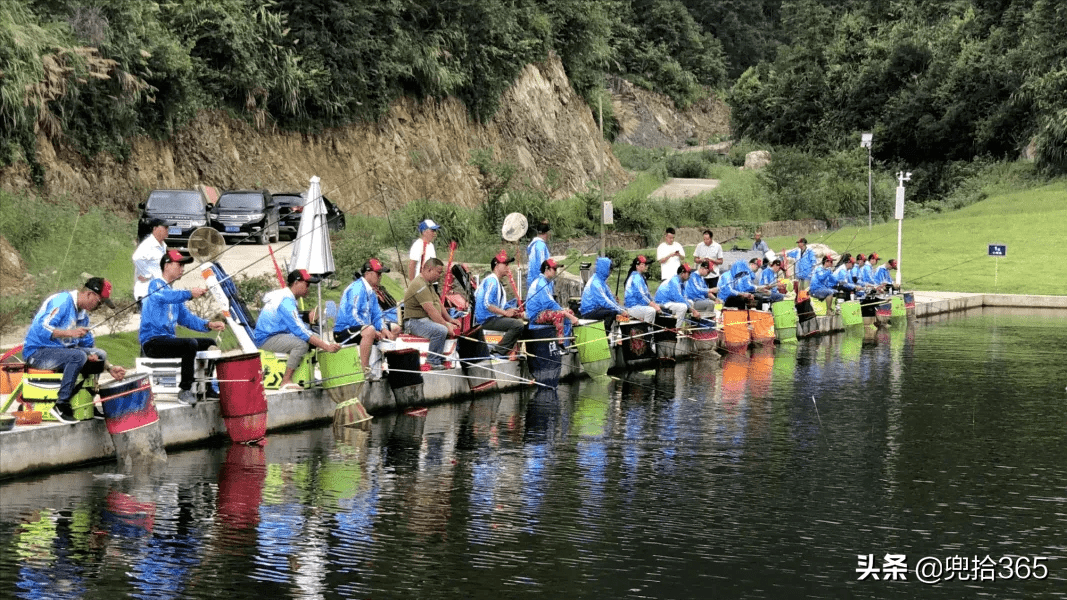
(279,327)
(597,300)
(493,311)
(359,318)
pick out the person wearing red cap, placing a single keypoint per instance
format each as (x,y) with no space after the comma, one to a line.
(882,276)
(279,327)
(59,339)
(359,317)
(671,296)
(541,305)
(493,311)
(162,309)
(804,260)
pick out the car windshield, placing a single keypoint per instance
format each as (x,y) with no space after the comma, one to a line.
(289,200)
(186,203)
(241,201)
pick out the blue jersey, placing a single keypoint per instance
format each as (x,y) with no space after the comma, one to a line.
(881,275)
(537,251)
(822,280)
(279,315)
(805,262)
(843,275)
(696,288)
(489,293)
(671,291)
(637,293)
(359,308)
(58,311)
(596,295)
(163,308)
(541,298)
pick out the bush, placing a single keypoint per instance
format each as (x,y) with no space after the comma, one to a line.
(688,165)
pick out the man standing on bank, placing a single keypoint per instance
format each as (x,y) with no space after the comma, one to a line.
(59,339)
(491,309)
(162,308)
(709,251)
(804,260)
(422,249)
(670,255)
(425,317)
(146,258)
(279,327)
(360,318)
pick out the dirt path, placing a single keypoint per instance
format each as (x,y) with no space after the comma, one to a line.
(684,188)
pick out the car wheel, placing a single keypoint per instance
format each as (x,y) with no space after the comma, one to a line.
(262,238)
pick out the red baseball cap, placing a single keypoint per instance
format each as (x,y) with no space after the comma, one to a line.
(501,258)
(102,287)
(302,275)
(642,259)
(550,264)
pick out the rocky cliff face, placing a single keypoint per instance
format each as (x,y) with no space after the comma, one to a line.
(418,150)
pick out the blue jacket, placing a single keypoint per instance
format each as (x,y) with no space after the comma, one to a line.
(740,280)
(490,292)
(537,251)
(843,275)
(805,264)
(540,298)
(637,293)
(279,315)
(767,276)
(866,275)
(823,280)
(596,295)
(881,275)
(162,308)
(695,288)
(671,291)
(58,311)
(359,308)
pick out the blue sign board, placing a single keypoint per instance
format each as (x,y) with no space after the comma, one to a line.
(998,249)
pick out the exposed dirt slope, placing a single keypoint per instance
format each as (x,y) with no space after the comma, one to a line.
(651,120)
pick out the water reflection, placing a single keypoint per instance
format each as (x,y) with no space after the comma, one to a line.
(762,474)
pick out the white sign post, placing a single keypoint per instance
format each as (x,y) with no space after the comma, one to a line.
(901,177)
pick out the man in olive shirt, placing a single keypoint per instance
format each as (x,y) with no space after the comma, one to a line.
(423,314)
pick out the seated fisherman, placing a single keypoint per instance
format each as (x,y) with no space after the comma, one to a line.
(768,279)
(162,307)
(597,300)
(359,317)
(670,294)
(541,305)
(843,276)
(59,339)
(739,291)
(423,314)
(868,271)
(279,327)
(823,282)
(696,288)
(882,276)
(638,300)
(493,311)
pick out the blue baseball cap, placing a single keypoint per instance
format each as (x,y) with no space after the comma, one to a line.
(428,224)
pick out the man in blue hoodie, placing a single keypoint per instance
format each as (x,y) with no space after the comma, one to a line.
(492,309)
(279,327)
(739,292)
(597,300)
(59,339)
(696,290)
(541,305)
(805,260)
(537,253)
(162,308)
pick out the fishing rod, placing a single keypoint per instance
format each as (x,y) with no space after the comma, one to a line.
(515,378)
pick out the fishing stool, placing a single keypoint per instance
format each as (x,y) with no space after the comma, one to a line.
(274,369)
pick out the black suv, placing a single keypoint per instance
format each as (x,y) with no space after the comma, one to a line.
(244,213)
(183,210)
(291,206)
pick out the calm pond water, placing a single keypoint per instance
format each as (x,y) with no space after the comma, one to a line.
(758,476)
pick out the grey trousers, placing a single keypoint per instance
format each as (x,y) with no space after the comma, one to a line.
(295,347)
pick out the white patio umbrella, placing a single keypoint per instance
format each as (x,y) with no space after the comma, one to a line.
(311,250)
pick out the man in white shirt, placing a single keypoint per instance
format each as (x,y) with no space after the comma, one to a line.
(670,255)
(711,252)
(422,250)
(146,258)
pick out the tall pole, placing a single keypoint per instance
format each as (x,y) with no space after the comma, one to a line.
(901,177)
(600,144)
(869,188)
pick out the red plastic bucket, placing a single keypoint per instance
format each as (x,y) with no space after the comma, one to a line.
(241,396)
(127,404)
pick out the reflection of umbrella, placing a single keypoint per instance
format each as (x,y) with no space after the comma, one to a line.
(312,248)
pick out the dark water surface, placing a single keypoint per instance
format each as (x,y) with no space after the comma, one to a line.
(763,475)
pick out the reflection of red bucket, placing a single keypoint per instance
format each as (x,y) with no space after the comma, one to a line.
(128,404)
(241,486)
(241,396)
(129,516)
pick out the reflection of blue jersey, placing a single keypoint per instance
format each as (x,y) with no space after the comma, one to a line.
(537,251)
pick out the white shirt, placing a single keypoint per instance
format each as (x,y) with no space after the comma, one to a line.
(146,264)
(708,252)
(416,254)
(670,268)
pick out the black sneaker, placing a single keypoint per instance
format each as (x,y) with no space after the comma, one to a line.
(63,413)
(187,397)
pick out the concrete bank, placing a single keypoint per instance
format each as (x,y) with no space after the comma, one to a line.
(34,449)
